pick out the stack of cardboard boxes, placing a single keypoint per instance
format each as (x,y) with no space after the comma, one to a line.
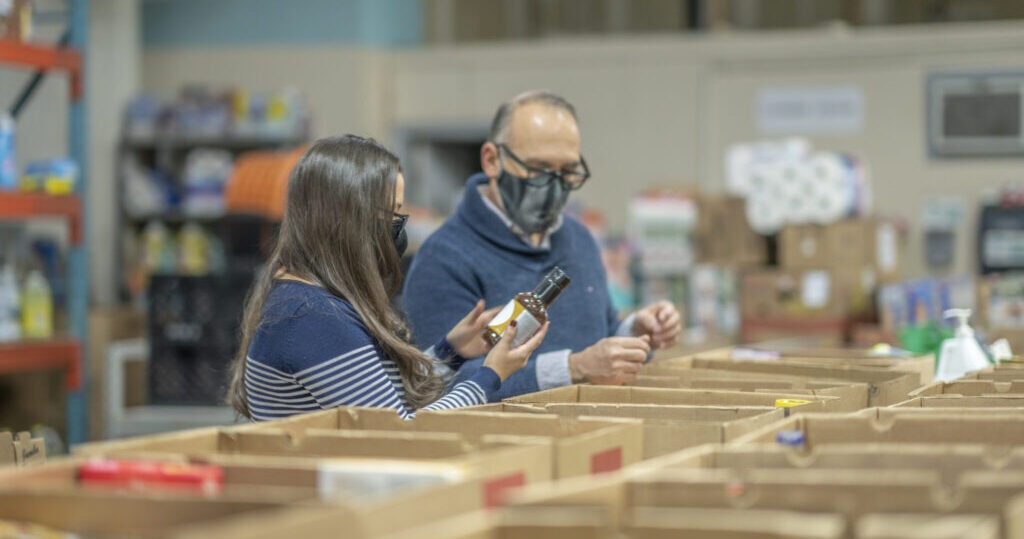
(725,443)
(825,282)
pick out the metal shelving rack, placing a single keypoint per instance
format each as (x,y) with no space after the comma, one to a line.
(67,351)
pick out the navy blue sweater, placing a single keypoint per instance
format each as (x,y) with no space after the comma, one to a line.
(475,255)
(313,351)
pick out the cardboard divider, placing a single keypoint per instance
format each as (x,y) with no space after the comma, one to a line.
(956,401)
(950,462)
(667,428)
(752,498)
(501,464)
(901,425)
(884,387)
(21,449)
(579,394)
(576,446)
(970,388)
(853,396)
(923,366)
(581,446)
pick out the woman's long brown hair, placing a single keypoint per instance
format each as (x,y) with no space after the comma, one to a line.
(336,232)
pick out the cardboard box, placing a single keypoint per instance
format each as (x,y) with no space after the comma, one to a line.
(853,494)
(949,461)
(868,245)
(686,397)
(812,294)
(724,236)
(957,401)
(579,446)
(106,514)
(923,365)
(107,325)
(900,425)
(322,506)
(884,387)
(21,449)
(969,388)
(667,428)
(805,247)
(852,396)
(501,464)
(924,526)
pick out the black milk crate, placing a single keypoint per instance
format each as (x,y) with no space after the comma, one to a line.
(193,336)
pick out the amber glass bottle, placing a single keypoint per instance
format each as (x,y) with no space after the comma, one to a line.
(528,309)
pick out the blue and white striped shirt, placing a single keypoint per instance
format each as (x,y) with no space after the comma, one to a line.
(312,351)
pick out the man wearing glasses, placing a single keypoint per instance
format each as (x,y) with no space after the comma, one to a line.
(507,232)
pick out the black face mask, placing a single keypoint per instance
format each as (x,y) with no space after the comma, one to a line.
(399,236)
(533,209)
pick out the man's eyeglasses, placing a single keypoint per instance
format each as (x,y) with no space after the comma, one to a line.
(573,178)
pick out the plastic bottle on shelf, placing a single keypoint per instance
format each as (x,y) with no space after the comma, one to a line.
(8,164)
(37,307)
(193,250)
(10,304)
(159,252)
(961,353)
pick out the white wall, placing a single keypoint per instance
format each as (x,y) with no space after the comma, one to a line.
(654,111)
(112,78)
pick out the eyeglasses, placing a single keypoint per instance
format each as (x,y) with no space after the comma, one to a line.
(541,177)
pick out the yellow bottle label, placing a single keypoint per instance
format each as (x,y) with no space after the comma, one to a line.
(526,324)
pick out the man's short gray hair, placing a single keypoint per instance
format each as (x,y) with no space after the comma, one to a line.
(499,126)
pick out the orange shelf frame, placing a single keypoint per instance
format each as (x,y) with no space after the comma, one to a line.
(25,356)
(20,206)
(41,57)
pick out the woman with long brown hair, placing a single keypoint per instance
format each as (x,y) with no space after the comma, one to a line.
(319,329)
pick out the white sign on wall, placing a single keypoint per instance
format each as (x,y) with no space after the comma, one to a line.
(805,110)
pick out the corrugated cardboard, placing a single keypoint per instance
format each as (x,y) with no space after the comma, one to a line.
(107,514)
(686,397)
(500,462)
(668,428)
(925,526)
(852,396)
(804,247)
(724,236)
(970,388)
(901,425)
(582,446)
(957,401)
(107,325)
(884,387)
(673,522)
(850,493)
(806,296)
(948,461)
(923,365)
(21,449)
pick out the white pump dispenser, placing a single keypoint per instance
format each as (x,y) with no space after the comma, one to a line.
(961,353)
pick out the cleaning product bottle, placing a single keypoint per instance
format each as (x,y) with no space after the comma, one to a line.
(961,353)
(10,305)
(8,165)
(37,307)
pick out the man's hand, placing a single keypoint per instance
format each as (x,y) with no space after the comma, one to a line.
(660,321)
(610,361)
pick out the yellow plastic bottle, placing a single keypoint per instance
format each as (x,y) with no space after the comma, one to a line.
(37,307)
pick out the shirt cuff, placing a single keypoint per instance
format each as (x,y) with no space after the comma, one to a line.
(553,369)
(625,328)
(488,380)
(444,352)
